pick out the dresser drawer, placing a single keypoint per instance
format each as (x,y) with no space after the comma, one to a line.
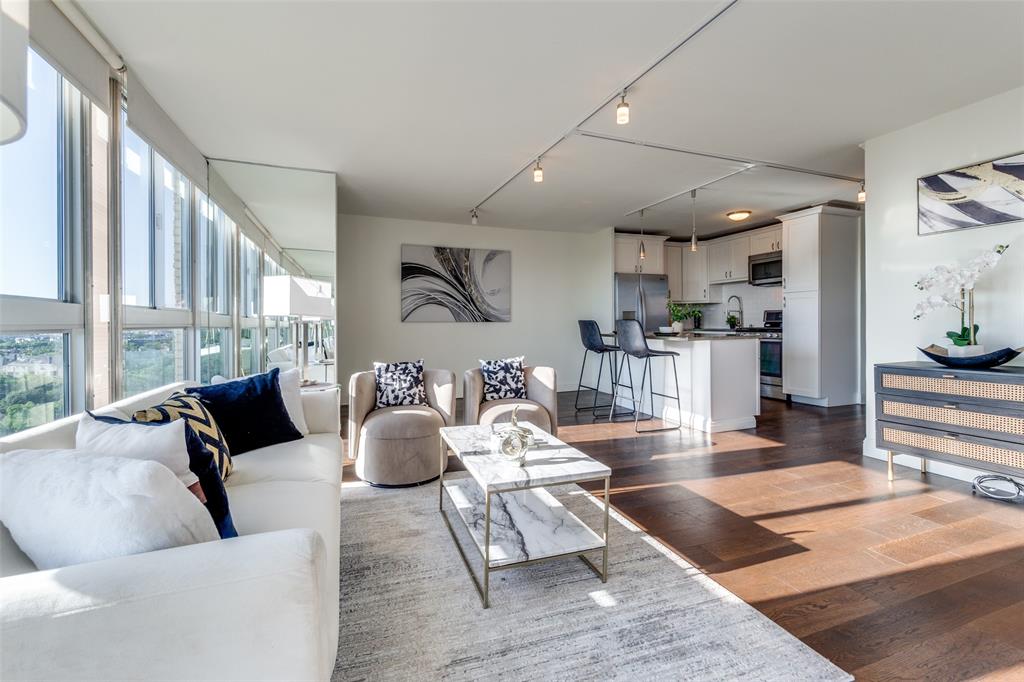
(966,450)
(989,388)
(952,415)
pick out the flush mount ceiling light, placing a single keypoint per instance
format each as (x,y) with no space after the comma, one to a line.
(622,111)
(693,218)
(473,217)
(862,196)
(738,215)
(538,172)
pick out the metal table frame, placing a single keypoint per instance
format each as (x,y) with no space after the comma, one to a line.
(483,587)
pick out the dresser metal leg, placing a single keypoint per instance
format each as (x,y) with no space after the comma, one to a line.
(924,466)
(891,477)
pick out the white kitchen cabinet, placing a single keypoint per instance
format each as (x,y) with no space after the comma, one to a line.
(674,271)
(719,261)
(801,264)
(727,260)
(822,316)
(739,254)
(627,254)
(801,348)
(695,275)
(766,242)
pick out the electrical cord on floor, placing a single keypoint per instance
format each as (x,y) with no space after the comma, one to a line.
(1015,493)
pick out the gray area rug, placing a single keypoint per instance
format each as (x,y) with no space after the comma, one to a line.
(409,610)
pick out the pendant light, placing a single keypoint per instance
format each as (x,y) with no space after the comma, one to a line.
(862,196)
(643,251)
(538,172)
(622,111)
(693,218)
(473,217)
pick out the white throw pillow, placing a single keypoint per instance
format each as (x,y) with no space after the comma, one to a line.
(290,383)
(163,443)
(66,507)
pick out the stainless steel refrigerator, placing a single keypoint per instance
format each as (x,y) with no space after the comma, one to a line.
(644,298)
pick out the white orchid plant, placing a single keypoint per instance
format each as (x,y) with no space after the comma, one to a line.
(953,287)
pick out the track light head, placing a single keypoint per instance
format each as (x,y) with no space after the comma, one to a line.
(622,111)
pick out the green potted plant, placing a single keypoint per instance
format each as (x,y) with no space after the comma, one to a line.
(732,321)
(675,316)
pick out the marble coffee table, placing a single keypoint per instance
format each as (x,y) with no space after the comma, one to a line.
(511,518)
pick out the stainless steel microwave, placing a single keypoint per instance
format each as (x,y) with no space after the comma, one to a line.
(765,269)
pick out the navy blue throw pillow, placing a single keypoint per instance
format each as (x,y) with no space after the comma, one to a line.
(250,412)
(203,464)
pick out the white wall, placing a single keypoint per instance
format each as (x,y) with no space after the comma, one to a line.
(896,257)
(557,279)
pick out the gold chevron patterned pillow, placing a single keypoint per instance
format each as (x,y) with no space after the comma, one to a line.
(195,414)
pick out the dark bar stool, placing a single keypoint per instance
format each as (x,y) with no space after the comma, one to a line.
(633,344)
(593,342)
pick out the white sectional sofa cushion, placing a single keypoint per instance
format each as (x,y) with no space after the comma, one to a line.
(261,606)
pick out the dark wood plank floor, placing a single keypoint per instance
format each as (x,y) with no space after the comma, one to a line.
(911,580)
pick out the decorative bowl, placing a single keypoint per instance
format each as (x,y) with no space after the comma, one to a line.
(986,361)
(665,330)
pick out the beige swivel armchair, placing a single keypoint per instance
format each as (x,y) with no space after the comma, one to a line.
(398,446)
(540,406)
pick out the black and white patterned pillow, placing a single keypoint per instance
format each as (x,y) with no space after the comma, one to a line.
(400,383)
(503,378)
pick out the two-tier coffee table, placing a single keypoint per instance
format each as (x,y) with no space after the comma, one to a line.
(512,519)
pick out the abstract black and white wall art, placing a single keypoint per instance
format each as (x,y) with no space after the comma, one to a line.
(449,284)
(984,194)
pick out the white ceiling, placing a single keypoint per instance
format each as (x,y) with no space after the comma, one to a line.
(423,108)
(296,206)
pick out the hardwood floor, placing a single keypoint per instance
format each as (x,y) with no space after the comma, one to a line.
(915,579)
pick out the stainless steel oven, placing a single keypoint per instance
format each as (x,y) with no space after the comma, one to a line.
(771,355)
(771,367)
(765,269)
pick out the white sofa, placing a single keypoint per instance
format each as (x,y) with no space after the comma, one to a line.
(262,606)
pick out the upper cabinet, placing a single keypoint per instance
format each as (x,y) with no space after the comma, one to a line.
(627,254)
(674,271)
(695,276)
(802,262)
(766,242)
(727,259)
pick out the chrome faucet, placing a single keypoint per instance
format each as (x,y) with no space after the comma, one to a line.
(739,311)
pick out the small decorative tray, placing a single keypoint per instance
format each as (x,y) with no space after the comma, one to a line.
(986,361)
(666,334)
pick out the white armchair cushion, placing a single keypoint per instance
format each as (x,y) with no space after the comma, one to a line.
(289,382)
(163,443)
(66,507)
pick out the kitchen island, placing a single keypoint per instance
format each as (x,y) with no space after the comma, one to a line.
(719,381)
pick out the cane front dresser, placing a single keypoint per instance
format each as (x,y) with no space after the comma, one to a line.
(972,418)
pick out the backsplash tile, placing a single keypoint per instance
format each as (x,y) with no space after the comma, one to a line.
(755,301)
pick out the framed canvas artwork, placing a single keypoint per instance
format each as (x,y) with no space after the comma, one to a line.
(450,284)
(983,194)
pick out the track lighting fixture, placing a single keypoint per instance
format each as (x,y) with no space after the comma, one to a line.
(538,172)
(643,251)
(739,215)
(862,196)
(693,219)
(622,111)
(473,217)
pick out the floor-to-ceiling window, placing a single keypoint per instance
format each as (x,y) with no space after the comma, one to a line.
(156,224)
(216,240)
(250,262)
(42,181)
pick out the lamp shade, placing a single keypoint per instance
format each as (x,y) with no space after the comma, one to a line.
(13,69)
(285,295)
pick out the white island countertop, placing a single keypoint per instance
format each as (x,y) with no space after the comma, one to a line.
(719,383)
